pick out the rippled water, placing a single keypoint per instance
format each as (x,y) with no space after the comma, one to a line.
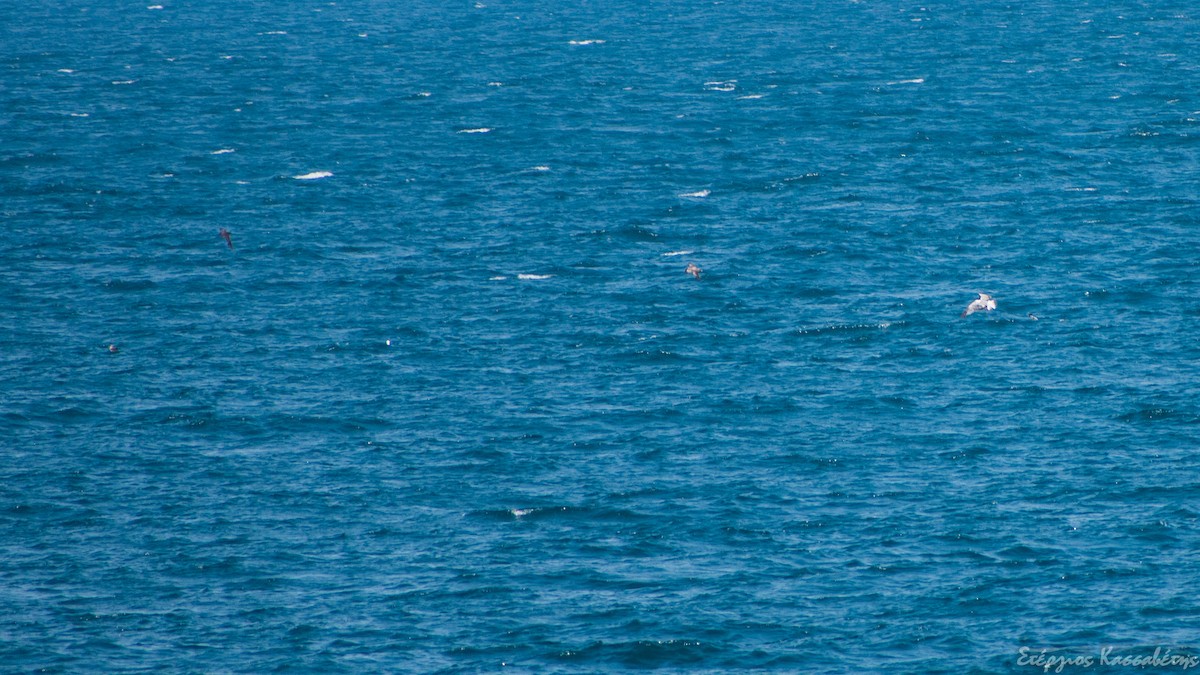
(451,403)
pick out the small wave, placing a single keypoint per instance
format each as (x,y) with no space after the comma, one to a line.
(1158,413)
(534,277)
(750,97)
(847,327)
(274,32)
(123,81)
(480,130)
(313,175)
(541,167)
(497,278)
(581,43)
(154,7)
(672,254)
(80,114)
(700,194)
(721,85)
(222,151)
(915,80)
(65,70)
(495,84)
(129,284)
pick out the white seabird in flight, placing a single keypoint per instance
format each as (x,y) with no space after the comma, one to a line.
(984,303)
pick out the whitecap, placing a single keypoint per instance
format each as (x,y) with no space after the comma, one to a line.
(517,513)
(698,194)
(721,85)
(222,151)
(581,43)
(480,130)
(499,278)
(65,70)
(424,94)
(672,254)
(313,175)
(123,81)
(915,80)
(154,7)
(533,277)
(495,84)
(541,167)
(274,32)
(750,97)
(80,114)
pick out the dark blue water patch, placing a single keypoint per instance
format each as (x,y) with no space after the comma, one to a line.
(751,444)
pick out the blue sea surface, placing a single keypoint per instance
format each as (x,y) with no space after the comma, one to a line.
(450,403)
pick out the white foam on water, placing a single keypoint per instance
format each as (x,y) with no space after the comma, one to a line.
(65,70)
(721,85)
(517,513)
(533,277)
(700,194)
(672,254)
(313,175)
(915,80)
(154,7)
(499,278)
(750,97)
(541,167)
(222,151)
(274,32)
(480,130)
(581,43)
(495,84)
(123,81)
(80,114)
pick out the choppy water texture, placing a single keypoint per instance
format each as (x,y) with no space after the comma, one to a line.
(452,404)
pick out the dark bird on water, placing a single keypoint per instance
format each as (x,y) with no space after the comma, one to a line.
(227,237)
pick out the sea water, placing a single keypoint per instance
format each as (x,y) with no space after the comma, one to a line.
(448,400)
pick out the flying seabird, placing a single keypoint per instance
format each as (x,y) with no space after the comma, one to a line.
(984,303)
